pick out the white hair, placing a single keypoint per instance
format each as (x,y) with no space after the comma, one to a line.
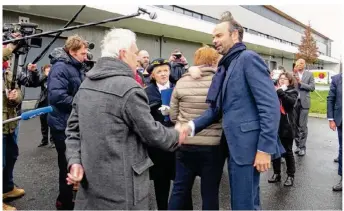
(116,40)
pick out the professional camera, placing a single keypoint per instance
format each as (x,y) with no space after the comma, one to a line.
(23,29)
(89,63)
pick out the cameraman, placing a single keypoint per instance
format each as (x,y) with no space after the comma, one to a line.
(64,80)
(11,100)
(31,77)
(179,65)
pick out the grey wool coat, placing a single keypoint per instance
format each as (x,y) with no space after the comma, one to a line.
(107,133)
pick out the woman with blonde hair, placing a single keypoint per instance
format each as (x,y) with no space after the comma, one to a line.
(200,155)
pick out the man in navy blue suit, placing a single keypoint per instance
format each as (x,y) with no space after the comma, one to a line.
(243,94)
(334,115)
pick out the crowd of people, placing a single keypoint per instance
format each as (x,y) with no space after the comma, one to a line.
(113,134)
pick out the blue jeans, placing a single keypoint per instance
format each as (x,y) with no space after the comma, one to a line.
(204,161)
(10,152)
(340,150)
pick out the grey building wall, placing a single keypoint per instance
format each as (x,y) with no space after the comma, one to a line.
(187,48)
(155,45)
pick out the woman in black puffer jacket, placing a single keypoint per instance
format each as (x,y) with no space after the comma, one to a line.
(288,96)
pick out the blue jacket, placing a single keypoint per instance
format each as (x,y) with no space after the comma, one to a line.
(250,110)
(64,80)
(334,100)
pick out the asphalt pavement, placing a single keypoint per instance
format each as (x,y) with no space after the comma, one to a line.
(37,172)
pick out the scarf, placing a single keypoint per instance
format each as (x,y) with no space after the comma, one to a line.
(220,75)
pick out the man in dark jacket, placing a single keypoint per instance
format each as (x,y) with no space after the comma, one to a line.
(334,115)
(64,80)
(31,77)
(179,65)
(243,94)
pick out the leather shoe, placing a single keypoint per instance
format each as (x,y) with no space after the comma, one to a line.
(275,178)
(335,160)
(297,150)
(302,152)
(43,144)
(337,187)
(289,181)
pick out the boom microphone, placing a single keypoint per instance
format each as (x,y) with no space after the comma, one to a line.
(152,15)
(30,114)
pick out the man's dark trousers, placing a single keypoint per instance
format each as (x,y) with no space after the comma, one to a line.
(66,191)
(339,128)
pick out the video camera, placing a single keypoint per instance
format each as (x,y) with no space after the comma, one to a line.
(23,29)
(89,63)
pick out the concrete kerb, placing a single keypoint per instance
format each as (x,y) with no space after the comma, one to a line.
(316,115)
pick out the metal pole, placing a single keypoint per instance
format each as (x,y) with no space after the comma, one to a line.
(12,120)
(72,28)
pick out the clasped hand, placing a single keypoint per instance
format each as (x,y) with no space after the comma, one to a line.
(184,130)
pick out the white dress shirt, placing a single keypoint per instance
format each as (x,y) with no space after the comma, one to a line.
(163,87)
(300,74)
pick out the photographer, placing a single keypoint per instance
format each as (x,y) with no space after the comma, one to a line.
(64,81)
(287,95)
(11,100)
(31,77)
(179,65)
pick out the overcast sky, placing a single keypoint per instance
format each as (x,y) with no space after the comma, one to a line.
(326,19)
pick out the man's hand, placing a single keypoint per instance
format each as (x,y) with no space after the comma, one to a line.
(32,67)
(75,174)
(12,95)
(262,161)
(184,130)
(332,125)
(297,78)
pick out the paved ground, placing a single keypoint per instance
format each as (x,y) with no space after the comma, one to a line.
(36,171)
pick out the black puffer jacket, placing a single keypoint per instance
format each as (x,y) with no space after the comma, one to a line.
(288,98)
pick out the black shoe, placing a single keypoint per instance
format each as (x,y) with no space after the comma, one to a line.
(335,160)
(289,181)
(338,187)
(302,152)
(43,144)
(297,150)
(275,178)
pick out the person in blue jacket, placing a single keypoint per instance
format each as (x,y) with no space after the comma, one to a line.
(243,94)
(64,80)
(334,116)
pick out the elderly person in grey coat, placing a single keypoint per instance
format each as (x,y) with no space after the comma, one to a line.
(109,129)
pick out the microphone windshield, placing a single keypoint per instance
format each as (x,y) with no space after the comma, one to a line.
(153,15)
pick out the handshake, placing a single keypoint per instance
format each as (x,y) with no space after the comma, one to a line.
(184,131)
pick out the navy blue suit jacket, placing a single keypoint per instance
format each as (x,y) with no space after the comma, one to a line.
(250,109)
(334,100)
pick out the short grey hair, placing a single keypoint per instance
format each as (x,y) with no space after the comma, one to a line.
(116,40)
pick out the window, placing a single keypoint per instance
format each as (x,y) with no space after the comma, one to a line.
(210,19)
(168,7)
(179,10)
(253,32)
(263,35)
(187,13)
(197,15)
